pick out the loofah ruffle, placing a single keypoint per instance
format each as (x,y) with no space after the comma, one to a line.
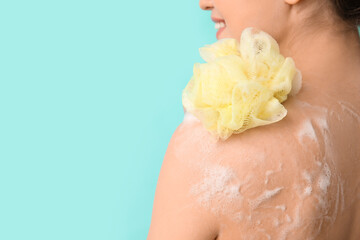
(241,85)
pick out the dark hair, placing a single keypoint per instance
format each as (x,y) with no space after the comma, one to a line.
(348,10)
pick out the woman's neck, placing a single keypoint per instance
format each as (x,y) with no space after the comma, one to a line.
(324,57)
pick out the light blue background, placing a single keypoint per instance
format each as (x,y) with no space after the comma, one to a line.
(90,94)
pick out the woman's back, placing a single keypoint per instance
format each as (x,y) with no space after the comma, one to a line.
(298,179)
(295,179)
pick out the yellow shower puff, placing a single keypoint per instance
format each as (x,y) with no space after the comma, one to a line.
(223,47)
(241,85)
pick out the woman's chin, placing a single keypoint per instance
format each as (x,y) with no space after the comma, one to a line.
(223,35)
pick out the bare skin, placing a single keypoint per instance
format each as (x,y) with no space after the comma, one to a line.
(294,179)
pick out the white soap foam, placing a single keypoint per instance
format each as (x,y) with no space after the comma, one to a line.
(322,122)
(307,177)
(264,232)
(219,183)
(311,106)
(324,179)
(307,130)
(318,163)
(295,224)
(270,172)
(281,207)
(349,108)
(189,117)
(321,119)
(324,203)
(215,181)
(308,190)
(194,136)
(266,195)
(244,183)
(336,204)
(239,216)
(267,174)
(342,196)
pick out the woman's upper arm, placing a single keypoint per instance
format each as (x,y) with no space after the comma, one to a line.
(176,214)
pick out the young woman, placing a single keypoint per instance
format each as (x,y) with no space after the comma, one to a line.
(296,179)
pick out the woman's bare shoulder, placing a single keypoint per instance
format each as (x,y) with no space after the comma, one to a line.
(284,176)
(271,176)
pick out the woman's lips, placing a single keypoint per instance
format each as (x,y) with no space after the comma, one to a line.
(217,21)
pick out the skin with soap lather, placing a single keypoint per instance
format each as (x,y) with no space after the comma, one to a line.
(295,179)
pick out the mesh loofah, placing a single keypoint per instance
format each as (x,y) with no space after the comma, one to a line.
(241,85)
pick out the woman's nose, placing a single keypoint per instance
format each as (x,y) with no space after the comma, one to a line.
(206,4)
